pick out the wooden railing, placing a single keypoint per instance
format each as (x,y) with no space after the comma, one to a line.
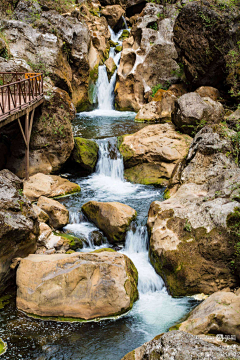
(19,91)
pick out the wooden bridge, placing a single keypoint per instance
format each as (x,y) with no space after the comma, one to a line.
(20,94)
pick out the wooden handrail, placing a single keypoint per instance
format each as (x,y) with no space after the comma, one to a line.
(14,95)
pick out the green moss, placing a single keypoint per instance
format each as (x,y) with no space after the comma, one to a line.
(72,319)
(112,43)
(125,151)
(4,300)
(3,347)
(146,174)
(175,327)
(102,250)
(166,194)
(125,35)
(118,48)
(233,225)
(73,241)
(93,74)
(85,153)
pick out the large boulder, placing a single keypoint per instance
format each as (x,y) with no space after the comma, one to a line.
(112,218)
(204,34)
(148,57)
(85,153)
(114,14)
(217,314)
(19,226)
(176,345)
(58,214)
(192,112)
(194,234)
(48,185)
(77,286)
(151,154)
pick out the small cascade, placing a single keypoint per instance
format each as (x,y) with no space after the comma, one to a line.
(79,226)
(110,162)
(125,23)
(105,88)
(136,248)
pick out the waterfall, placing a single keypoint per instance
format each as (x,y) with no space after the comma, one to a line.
(110,162)
(136,248)
(105,88)
(125,23)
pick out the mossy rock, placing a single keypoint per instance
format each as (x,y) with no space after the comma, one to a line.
(73,241)
(4,300)
(132,281)
(93,74)
(3,347)
(112,43)
(118,48)
(125,151)
(125,35)
(146,174)
(85,153)
(102,250)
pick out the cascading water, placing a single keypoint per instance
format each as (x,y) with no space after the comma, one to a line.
(109,165)
(105,88)
(136,248)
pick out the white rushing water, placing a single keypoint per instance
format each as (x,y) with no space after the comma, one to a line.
(105,87)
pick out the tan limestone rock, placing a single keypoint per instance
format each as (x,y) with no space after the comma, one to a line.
(219,314)
(79,285)
(48,185)
(58,214)
(113,218)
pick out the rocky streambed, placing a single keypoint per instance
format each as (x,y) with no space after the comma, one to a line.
(153,313)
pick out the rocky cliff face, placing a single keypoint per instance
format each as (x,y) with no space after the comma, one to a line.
(206,36)
(148,57)
(194,235)
(19,227)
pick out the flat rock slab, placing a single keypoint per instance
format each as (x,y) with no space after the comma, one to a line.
(48,185)
(77,286)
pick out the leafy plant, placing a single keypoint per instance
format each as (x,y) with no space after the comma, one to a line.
(187,226)
(160,86)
